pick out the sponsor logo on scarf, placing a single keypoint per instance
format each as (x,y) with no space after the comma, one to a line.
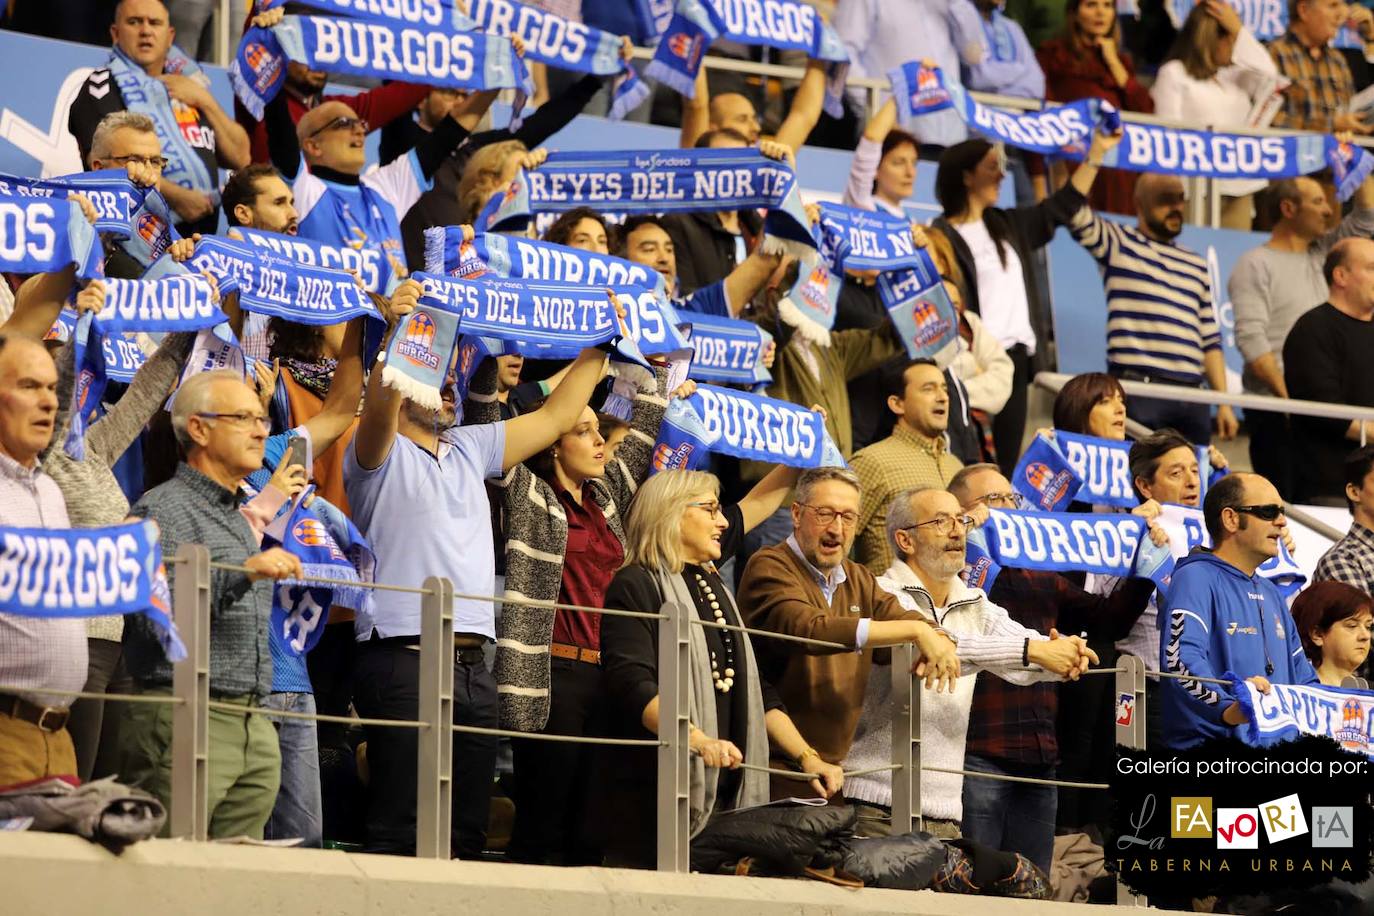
(1044,477)
(1289,711)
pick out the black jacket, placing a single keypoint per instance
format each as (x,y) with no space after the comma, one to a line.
(1028,229)
(705,251)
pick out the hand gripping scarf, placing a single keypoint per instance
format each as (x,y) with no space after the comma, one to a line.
(418,355)
(88,572)
(787,25)
(744,425)
(148,95)
(663,181)
(124,353)
(1289,711)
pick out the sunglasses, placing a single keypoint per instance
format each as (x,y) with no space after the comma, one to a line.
(1267,512)
(343,122)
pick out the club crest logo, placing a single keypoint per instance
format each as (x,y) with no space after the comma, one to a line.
(667,458)
(931,325)
(310,532)
(1049,484)
(417,341)
(1352,735)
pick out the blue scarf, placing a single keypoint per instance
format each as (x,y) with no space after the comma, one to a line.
(744,425)
(41,235)
(652,321)
(88,572)
(1101,471)
(300,608)
(123,353)
(544,320)
(153,232)
(109,190)
(147,95)
(787,25)
(729,351)
(921,311)
(1187,529)
(1045,478)
(368,263)
(418,355)
(1113,545)
(1065,130)
(279,287)
(380,49)
(811,303)
(854,239)
(1290,711)
(664,181)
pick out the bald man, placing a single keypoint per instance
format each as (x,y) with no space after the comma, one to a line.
(1326,358)
(1161,323)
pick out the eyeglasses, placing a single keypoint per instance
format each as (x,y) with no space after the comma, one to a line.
(157,162)
(343,122)
(827,516)
(711,508)
(1267,512)
(242,418)
(1001,500)
(944,524)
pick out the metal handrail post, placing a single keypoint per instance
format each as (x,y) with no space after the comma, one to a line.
(906,741)
(190,800)
(674,771)
(1130,732)
(434,767)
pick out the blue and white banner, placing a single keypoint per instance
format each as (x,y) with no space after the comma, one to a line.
(1112,544)
(1102,468)
(744,425)
(38,235)
(1290,711)
(418,355)
(300,608)
(378,49)
(1265,19)
(153,229)
(729,351)
(148,95)
(88,572)
(921,311)
(426,13)
(854,239)
(1187,530)
(1044,477)
(811,303)
(659,181)
(279,287)
(109,190)
(368,263)
(652,321)
(787,25)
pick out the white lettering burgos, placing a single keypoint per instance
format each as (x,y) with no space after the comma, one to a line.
(27,232)
(758,426)
(53,572)
(447,58)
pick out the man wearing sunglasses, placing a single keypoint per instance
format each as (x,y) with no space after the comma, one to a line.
(927,529)
(1220,616)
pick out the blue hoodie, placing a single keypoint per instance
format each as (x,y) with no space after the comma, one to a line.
(1217,619)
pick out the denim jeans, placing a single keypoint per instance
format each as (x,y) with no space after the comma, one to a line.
(1011,816)
(299,811)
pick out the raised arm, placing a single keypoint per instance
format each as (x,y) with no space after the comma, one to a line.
(767,496)
(806,107)
(38,302)
(531,433)
(696,112)
(341,403)
(381,411)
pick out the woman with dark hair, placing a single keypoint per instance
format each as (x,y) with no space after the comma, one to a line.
(883,171)
(995,250)
(1086,62)
(1334,621)
(1091,404)
(580,227)
(1216,75)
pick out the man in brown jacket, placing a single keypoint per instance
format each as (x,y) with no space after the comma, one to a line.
(807,586)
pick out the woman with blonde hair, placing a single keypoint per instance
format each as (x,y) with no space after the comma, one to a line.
(677,533)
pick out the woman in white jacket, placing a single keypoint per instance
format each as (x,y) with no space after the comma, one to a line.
(1219,76)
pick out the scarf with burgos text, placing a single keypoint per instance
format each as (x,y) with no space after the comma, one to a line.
(1054,472)
(1188,530)
(384,49)
(1065,130)
(659,181)
(418,355)
(786,25)
(42,235)
(752,426)
(88,572)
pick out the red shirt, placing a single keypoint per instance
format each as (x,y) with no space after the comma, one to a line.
(590,561)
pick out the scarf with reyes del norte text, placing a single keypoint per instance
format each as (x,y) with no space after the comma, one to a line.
(651,319)
(183,302)
(301,607)
(729,422)
(148,95)
(1065,130)
(660,181)
(786,25)
(110,191)
(1290,711)
(88,572)
(1107,544)
(385,49)
(368,263)
(729,351)
(43,234)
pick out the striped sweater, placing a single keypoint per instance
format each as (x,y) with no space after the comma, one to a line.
(536,538)
(1160,315)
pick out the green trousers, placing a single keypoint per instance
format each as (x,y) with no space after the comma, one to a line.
(244,770)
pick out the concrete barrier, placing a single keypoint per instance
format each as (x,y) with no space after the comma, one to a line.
(56,874)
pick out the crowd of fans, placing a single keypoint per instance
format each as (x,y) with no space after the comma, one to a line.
(537,496)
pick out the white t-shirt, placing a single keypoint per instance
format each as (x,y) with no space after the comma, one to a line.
(1001,290)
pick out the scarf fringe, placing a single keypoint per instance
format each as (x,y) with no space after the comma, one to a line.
(436,240)
(628,92)
(807,328)
(776,244)
(411,388)
(682,83)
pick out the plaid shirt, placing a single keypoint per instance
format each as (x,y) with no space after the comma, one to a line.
(1350,560)
(903,460)
(1016,724)
(1322,86)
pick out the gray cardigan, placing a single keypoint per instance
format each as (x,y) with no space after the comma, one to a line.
(536,538)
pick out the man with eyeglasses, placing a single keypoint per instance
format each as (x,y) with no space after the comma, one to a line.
(221,427)
(1220,616)
(146,75)
(1012,728)
(807,586)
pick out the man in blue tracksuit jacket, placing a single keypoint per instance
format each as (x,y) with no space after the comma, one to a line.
(1219,616)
